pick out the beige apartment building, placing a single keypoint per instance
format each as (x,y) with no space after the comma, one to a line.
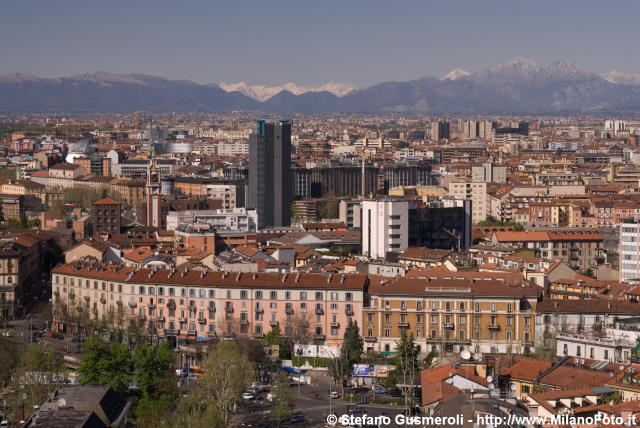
(477,193)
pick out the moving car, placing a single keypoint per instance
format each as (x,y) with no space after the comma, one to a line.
(334,394)
(296,418)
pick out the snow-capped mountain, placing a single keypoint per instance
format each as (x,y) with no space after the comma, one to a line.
(621,78)
(456,74)
(264,92)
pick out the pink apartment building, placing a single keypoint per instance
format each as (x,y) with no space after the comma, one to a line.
(198,303)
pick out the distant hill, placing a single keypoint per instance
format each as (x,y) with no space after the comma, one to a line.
(519,86)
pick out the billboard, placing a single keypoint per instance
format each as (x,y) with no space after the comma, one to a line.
(377,370)
(321,351)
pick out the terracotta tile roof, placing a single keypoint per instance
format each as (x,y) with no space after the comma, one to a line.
(106,201)
(587,306)
(526,369)
(425,254)
(438,391)
(573,377)
(217,279)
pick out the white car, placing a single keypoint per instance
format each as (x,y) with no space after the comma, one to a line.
(334,395)
(270,397)
(248,396)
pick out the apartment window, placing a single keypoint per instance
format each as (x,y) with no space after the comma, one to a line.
(527,320)
(333,296)
(434,318)
(433,333)
(387,317)
(493,307)
(447,306)
(476,334)
(509,334)
(334,306)
(273,305)
(509,320)
(202,293)
(387,332)
(348,297)
(369,332)
(418,332)
(578,351)
(461,334)
(287,295)
(462,306)
(418,306)
(160,291)
(606,354)
(192,292)
(303,305)
(303,295)
(434,306)
(273,295)
(476,306)
(318,295)
(259,295)
(508,307)
(172,291)
(243,294)
(403,305)
(418,318)
(462,319)
(387,304)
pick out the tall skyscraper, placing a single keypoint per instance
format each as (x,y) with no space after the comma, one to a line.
(270,173)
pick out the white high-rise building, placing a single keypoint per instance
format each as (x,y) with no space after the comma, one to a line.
(629,249)
(385,227)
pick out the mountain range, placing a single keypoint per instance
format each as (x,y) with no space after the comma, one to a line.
(519,86)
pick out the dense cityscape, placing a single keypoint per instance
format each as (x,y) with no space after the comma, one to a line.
(379,264)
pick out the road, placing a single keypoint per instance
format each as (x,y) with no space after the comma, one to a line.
(314,403)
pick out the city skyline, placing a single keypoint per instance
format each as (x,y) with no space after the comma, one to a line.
(341,43)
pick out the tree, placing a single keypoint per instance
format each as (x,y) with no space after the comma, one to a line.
(194,411)
(274,337)
(106,365)
(402,145)
(283,399)
(340,370)
(37,374)
(24,221)
(329,205)
(8,359)
(153,369)
(406,362)
(353,343)
(227,371)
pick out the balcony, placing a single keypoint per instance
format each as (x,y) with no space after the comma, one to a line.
(228,309)
(182,319)
(202,320)
(448,325)
(211,308)
(371,339)
(192,331)
(403,324)
(151,305)
(493,326)
(319,337)
(72,295)
(259,335)
(142,317)
(304,323)
(259,310)
(171,304)
(172,331)
(103,300)
(273,323)
(319,311)
(95,311)
(335,325)
(288,310)
(133,304)
(348,311)
(161,318)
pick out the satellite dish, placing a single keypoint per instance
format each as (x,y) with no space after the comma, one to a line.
(621,368)
(513,386)
(610,375)
(465,354)
(491,386)
(489,379)
(477,356)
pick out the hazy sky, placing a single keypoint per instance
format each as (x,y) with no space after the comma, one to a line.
(304,41)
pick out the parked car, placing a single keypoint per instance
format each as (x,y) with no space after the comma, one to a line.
(334,394)
(379,390)
(353,410)
(248,396)
(394,393)
(296,418)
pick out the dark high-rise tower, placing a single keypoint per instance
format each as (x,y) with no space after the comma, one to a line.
(270,173)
